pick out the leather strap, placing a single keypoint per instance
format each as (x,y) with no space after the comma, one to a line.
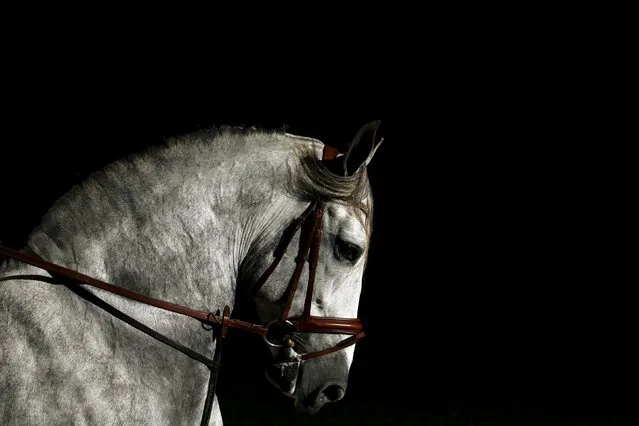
(329,153)
(313,259)
(338,347)
(305,244)
(78,278)
(280,250)
(215,370)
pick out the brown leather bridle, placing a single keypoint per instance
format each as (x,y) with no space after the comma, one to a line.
(311,236)
(276,334)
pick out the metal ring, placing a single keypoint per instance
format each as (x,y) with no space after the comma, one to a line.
(268,326)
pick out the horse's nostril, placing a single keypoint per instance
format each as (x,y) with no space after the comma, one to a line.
(334,393)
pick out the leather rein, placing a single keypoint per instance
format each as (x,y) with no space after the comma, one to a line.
(276,334)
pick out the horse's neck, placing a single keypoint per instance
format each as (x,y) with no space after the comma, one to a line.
(177,230)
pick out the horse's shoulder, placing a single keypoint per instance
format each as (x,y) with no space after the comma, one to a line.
(29,301)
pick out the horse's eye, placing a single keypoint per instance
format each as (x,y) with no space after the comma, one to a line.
(348,251)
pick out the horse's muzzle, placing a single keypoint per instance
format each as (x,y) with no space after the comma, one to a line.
(283,375)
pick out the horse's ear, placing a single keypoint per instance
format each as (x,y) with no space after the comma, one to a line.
(358,152)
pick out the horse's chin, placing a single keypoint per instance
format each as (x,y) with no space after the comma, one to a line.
(309,405)
(284,376)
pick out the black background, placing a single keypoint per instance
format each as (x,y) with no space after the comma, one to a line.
(483,301)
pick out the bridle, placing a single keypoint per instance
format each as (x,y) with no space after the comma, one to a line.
(277,333)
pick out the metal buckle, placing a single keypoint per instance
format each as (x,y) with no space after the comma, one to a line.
(275,327)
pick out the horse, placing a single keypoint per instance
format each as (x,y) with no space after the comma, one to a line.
(197,222)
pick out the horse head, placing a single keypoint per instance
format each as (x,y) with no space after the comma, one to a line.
(338,180)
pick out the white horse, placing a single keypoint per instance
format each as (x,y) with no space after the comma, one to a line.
(194,222)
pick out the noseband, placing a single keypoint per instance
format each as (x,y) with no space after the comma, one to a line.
(276,334)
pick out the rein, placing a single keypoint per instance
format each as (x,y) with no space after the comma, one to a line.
(276,334)
(76,278)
